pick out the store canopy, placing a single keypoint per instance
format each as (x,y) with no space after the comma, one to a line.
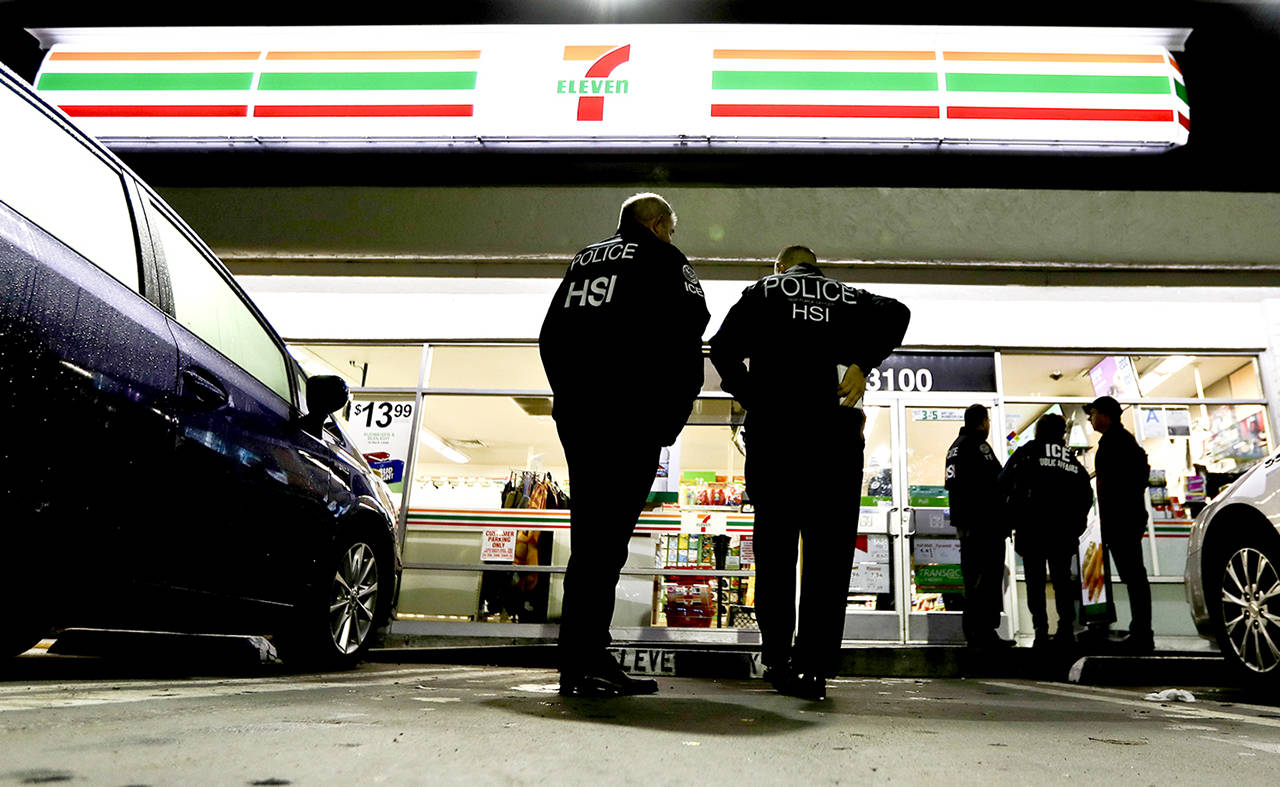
(623,86)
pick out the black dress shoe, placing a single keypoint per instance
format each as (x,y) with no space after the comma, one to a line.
(1137,644)
(604,683)
(806,686)
(779,677)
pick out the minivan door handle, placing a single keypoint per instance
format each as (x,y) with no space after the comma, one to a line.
(202,389)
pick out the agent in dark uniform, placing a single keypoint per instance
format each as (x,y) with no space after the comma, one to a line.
(1122,471)
(977,514)
(1050,497)
(622,348)
(804,447)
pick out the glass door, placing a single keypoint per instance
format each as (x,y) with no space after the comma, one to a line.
(932,587)
(874,605)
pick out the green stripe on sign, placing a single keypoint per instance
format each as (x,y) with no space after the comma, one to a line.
(1181,90)
(823,80)
(236,81)
(1055,83)
(363,80)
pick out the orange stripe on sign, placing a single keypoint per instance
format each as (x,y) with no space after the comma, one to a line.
(456,54)
(586,52)
(154,56)
(821,54)
(1052,57)
(1175,65)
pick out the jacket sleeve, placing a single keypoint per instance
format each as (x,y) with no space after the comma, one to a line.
(1010,476)
(881,324)
(686,316)
(732,345)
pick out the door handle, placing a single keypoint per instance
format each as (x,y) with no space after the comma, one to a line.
(911,531)
(203,389)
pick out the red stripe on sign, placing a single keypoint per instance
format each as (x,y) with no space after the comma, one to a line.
(1184,121)
(363,110)
(820,111)
(1175,65)
(1051,113)
(152,111)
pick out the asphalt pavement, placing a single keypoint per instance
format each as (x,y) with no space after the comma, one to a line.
(114,721)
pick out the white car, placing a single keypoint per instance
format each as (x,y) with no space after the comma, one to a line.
(1233,583)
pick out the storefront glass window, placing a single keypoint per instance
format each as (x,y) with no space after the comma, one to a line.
(363,365)
(1132,376)
(487,367)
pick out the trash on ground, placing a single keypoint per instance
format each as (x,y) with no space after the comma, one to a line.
(1171,695)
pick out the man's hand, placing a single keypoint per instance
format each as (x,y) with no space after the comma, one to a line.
(852,386)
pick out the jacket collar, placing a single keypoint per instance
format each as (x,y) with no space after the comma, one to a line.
(802,269)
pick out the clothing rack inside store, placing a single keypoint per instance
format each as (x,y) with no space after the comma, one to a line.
(531,489)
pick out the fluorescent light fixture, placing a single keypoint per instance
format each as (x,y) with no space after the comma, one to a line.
(442,447)
(1170,366)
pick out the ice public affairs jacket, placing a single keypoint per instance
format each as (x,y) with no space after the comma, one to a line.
(797,327)
(977,507)
(1122,471)
(1049,498)
(622,340)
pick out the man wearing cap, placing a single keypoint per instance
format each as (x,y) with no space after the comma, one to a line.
(1122,470)
(622,348)
(804,449)
(979,518)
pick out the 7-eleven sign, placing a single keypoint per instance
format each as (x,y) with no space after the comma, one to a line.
(597,84)
(713,523)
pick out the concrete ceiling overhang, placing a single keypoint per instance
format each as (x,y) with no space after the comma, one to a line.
(978,236)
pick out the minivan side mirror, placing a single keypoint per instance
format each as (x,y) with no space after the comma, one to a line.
(326,394)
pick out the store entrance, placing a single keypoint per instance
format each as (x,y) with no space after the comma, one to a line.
(932,586)
(906,584)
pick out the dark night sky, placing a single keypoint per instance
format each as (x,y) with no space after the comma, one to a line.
(1230,67)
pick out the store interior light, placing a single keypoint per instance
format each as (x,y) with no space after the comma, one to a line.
(438,444)
(1156,377)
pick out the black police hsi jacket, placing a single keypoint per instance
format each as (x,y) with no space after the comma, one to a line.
(622,339)
(795,328)
(1049,497)
(973,472)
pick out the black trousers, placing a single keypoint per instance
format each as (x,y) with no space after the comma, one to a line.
(1065,590)
(1125,545)
(610,476)
(793,503)
(982,564)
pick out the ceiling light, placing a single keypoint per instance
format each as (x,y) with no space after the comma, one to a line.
(438,444)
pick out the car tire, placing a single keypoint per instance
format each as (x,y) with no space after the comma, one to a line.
(1244,599)
(335,627)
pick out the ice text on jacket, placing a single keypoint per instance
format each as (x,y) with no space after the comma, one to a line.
(1058,456)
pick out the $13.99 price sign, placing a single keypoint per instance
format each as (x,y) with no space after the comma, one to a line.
(381,431)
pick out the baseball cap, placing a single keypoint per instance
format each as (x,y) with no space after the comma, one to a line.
(1105,405)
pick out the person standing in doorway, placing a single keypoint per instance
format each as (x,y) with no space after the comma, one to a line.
(978,515)
(778,352)
(1122,472)
(1049,500)
(630,307)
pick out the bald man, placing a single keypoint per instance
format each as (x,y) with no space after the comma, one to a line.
(804,449)
(622,348)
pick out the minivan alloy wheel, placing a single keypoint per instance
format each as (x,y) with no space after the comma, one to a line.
(354,598)
(1251,609)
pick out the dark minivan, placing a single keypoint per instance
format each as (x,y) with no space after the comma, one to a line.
(165,463)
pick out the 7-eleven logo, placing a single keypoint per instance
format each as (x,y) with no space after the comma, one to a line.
(597,84)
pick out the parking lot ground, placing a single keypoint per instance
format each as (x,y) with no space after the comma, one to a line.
(95,721)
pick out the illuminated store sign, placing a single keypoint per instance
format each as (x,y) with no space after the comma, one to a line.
(637,85)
